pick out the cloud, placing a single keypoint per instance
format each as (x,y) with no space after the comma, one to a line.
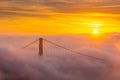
(5,14)
(40,7)
(16,8)
(57,63)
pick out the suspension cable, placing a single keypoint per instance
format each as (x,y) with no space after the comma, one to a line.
(72,50)
(30,44)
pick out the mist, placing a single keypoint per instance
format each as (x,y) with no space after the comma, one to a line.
(57,63)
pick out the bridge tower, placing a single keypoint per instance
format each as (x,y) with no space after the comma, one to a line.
(41,46)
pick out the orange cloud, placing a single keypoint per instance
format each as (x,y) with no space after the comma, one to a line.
(61,16)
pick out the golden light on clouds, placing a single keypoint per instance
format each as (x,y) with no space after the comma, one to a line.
(59,16)
(96,25)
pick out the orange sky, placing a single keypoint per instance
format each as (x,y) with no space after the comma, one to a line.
(59,16)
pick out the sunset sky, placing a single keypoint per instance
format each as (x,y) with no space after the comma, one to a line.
(59,16)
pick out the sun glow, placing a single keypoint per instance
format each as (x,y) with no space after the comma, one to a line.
(96,25)
(95,31)
(96,34)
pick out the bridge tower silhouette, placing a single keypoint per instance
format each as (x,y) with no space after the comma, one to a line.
(40,46)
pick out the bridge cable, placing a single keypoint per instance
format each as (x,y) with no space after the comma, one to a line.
(30,44)
(72,50)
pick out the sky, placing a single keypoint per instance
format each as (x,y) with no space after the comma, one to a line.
(59,16)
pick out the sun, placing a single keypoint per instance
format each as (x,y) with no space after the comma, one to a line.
(96,34)
(95,31)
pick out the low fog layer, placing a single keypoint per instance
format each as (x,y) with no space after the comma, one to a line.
(57,63)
